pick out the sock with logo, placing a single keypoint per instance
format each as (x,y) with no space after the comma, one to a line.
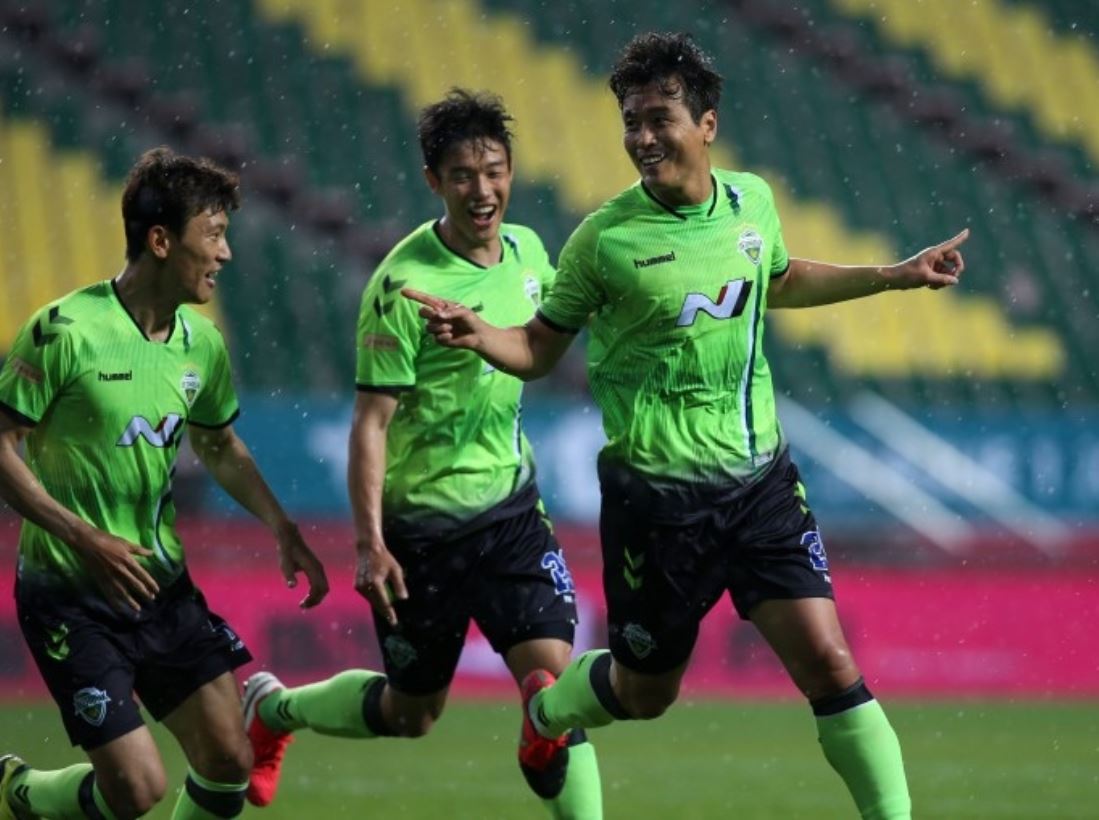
(65,793)
(204,799)
(345,705)
(862,747)
(581,698)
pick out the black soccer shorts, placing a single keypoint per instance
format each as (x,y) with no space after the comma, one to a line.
(94,660)
(509,577)
(670,553)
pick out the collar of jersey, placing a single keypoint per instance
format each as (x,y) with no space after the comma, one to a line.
(449,251)
(140,329)
(685,212)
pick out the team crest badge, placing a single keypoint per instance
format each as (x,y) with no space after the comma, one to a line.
(91,704)
(750,244)
(399,651)
(533,290)
(641,643)
(190,384)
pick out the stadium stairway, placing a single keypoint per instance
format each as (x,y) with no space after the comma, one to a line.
(1010,50)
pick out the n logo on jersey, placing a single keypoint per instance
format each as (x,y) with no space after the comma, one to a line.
(730,302)
(163,435)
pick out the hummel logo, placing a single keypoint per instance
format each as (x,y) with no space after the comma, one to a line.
(654,260)
(477,308)
(116,377)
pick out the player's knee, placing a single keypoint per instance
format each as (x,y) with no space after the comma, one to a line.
(136,793)
(415,725)
(228,762)
(829,669)
(647,705)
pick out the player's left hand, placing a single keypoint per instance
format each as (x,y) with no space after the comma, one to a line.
(939,266)
(294,557)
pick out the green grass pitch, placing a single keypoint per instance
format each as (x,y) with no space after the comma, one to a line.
(978,760)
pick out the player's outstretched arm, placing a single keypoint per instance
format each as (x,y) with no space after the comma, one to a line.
(228,460)
(378,576)
(808,283)
(526,351)
(108,559)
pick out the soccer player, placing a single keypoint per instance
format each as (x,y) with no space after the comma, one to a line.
(699,495)
(101,385)
(448,518)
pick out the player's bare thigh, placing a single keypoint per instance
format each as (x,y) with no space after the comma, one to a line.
(129,773)
(209,726)
(806,635)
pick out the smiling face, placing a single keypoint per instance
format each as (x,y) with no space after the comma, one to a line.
(195,257)
(669,149)
(474,181)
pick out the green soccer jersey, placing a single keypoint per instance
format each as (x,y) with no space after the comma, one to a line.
(455,447)
(108,408)
(676,299)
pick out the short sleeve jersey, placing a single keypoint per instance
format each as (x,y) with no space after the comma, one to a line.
(108,408)
(676,299)
(455,447)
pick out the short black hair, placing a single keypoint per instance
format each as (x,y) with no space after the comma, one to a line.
(462,115)
(166,188)
(676,63)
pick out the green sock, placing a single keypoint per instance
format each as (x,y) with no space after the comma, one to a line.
(330,707)
(582,796)
(53,793)
(581,698)
(202,799)
(863,748)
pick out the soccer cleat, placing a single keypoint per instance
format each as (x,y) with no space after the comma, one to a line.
(535,750)
(268,746)
(10,766)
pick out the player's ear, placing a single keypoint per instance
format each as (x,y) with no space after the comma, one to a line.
(157,241)
(433,181)
(708,123)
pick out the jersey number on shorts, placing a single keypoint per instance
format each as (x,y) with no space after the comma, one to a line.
(554,561)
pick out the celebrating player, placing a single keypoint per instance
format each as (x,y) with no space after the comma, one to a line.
(448,518)
(699,495)
(101,385)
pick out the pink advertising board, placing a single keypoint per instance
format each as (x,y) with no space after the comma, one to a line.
(950,632)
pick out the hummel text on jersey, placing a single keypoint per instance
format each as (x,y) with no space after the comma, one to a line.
(116,377)
(654,260)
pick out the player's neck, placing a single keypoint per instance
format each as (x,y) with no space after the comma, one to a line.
(696,189)
(143,295)
(486,254)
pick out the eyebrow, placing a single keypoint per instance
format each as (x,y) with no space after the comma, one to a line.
(654,109)
(469,169)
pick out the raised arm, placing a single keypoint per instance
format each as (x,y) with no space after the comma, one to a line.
(808,283)
(527,351)
(228,460)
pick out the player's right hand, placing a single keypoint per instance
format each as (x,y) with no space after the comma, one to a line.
(451,323)
(379,578)
(122,580)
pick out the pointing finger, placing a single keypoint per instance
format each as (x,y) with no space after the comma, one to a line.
(432,302)
(954,241)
